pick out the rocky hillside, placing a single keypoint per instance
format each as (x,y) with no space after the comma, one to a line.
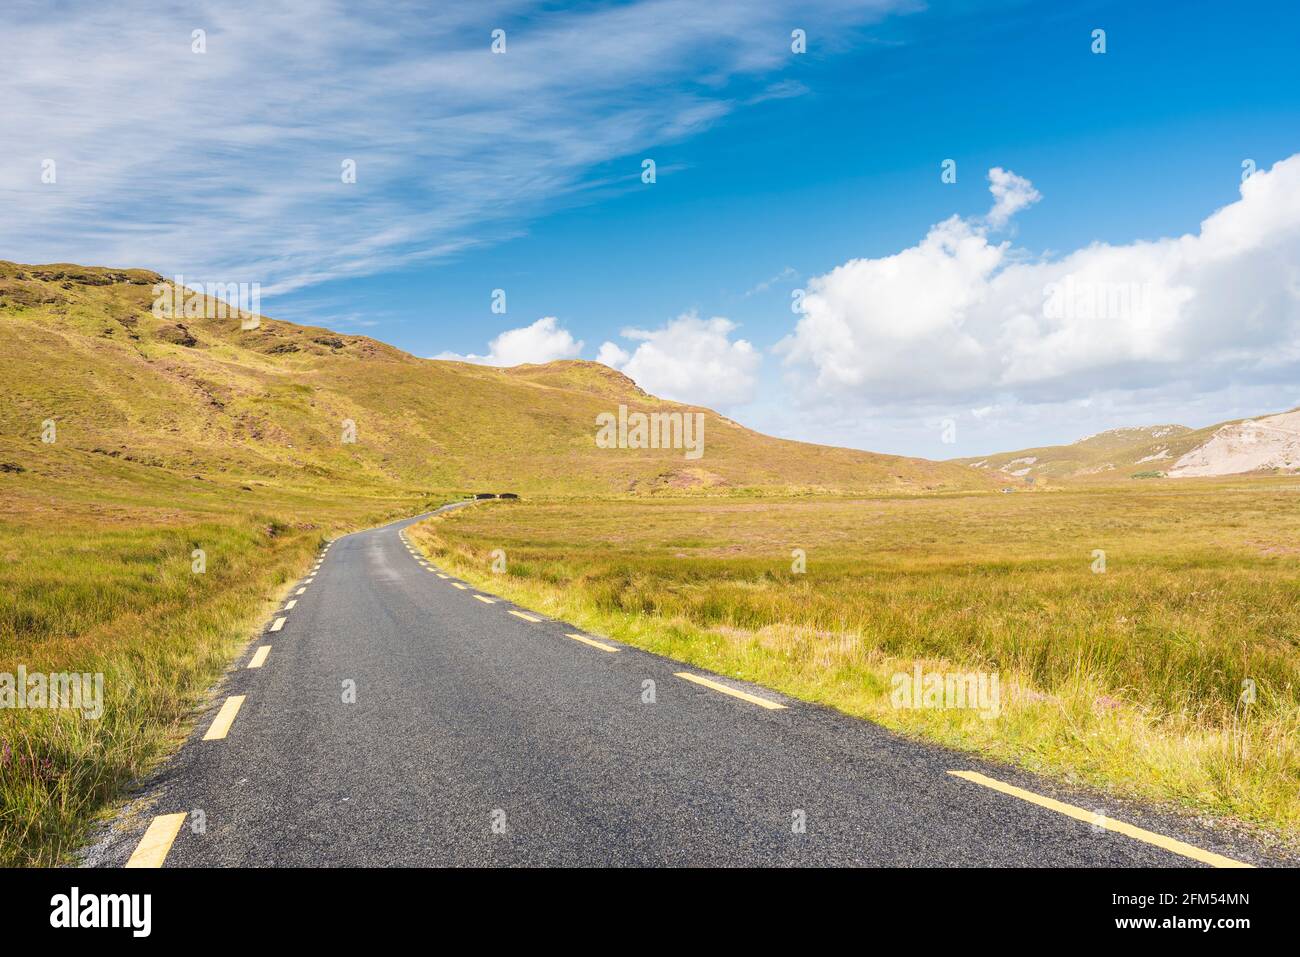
(1266,446)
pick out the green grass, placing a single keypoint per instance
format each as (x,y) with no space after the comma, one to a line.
(1130,680)
(100,579)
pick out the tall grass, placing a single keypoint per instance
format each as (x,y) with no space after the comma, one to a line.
(1134,679)
(114,592)
(125,604)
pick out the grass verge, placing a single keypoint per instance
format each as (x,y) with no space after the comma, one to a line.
(1172,676)
(110,586)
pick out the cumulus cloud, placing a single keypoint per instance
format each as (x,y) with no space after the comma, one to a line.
(612,355)
(689,360)
(960,318)
(543,341)
(1011,194)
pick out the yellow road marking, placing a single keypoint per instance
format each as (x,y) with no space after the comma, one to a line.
(225,718)
(460,586)
(595,644)
(743,695)
(485,600)
(288,606)
(308,581)
(1089,817)
(259,658)
(157,841)
(301,590)
(520,614)
(277,624)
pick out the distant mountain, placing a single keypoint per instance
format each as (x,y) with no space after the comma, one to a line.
(1269,446)
(205,399)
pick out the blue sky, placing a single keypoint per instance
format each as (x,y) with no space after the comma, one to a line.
(521,171)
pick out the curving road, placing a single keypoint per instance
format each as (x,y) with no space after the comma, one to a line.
(478,737)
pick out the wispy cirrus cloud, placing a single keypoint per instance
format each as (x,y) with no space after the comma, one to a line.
(229,161)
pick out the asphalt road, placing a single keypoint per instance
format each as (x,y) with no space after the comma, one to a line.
(480,738)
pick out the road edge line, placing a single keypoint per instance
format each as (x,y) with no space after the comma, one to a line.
(1172,845)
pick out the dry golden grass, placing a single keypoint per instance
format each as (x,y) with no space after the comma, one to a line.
(1129,680)
(212,436)
(97,577)
(85,350)
(228,440)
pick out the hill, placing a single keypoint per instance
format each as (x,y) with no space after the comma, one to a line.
(162,480)
(207,399)
(1269,445)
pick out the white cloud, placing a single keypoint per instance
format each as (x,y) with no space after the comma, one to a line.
(612,356)
(689,360)
(1011,194)
(543,341)
(958,318)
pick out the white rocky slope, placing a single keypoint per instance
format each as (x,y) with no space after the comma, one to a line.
(1272,442)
